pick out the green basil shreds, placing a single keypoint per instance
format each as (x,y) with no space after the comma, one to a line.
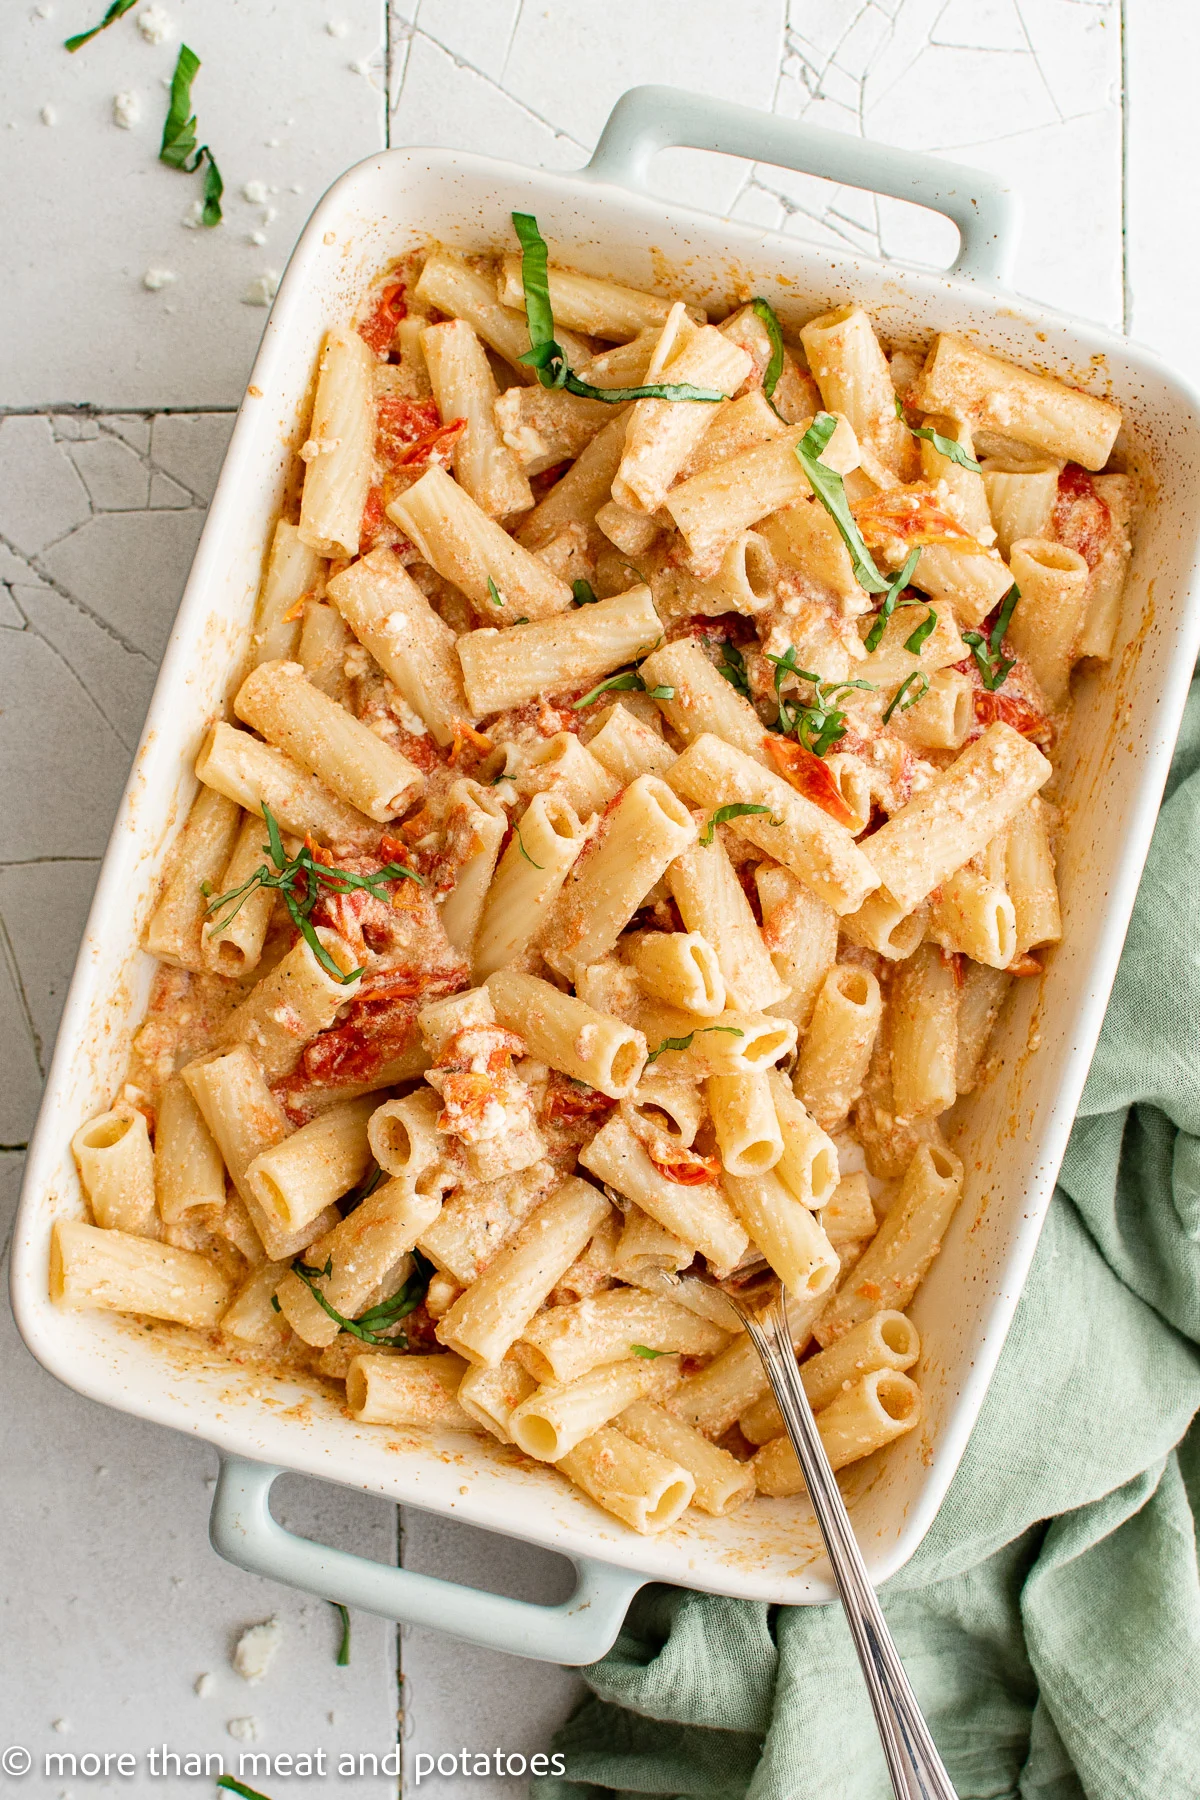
(830,490)
(905,696)
(524,851)
(916,639)
(993,667)
(343,1656)
(116,11)
(300,879)
(945,447)
(774,369)
(896,587)
(495,598)
(374,1327)
(628,681)
(179,149)
(545,354)
(585,594)
(737,809)
(644,1350)
(821,723)
(685,1043)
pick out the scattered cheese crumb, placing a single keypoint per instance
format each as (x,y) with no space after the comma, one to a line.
(155,25)
(154,279)
(295,188)
(62,1725)
(255,192)
(256,237)
(244,1730)
(272,143)
(203,1686)
(256,1650)
(127,110)
(48,116)
(337,28)
(44,11)
(262,289)
(360,66)
(193,218)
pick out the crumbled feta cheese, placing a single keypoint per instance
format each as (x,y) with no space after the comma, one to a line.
(62,1726)
(244,1730)
(127,110)
(255,192)
(262,289)
(337,28)
(256,1649)
(44,11)
(193,218)
(360,66)
(154,279)
(256,237)
(155,25)
(272,143)
(411,721)
(203,1686)
(48,115)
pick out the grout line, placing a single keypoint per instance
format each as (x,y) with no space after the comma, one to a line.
(92,409)
(8,955)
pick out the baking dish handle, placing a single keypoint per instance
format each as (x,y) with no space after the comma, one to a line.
(244,1531)
(649,119)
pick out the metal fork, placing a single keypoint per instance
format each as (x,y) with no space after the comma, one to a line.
(914,1765)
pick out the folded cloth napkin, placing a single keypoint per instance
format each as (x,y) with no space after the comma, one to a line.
(1050,1621)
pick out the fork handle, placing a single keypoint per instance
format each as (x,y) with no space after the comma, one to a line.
(916,1769)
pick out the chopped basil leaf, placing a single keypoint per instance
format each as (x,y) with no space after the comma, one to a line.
(774,369)
(993,667)
(737,809)
(343,1656)
(733,667)
(179,149)
(628,681)
(546,356)
(300,880)
(116,11)
(232,1786)
(822,723)
(372,1327)
(902,699)
(945,446)
(896,587)
(685,1043)
(827,485)
(524,851)
(521,621)
(585,594)
(495,597)
(275,1306)
(644,1350)
(914,642)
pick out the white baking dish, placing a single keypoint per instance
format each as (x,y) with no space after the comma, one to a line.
(1014,1133)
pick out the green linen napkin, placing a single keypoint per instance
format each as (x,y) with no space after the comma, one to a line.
(1050,1621)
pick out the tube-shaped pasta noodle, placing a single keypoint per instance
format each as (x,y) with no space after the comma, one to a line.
(454,288)
(469,549)
(711,901)
(712,509)
(116,1167)
(489,1396)
(568,767)
(487,1319)
(788,1233)
(979,1002)
(671,1101)
(802,537)
(975,916)
(359,1251)
(735,1043)
(808,1164)
(200,854)
(1029,870)
(555,1418)
(886,1341)
(882,925)
(837,1046)
(722,1482)
(564,1342)
(994,395)
(742,425)
(801,934)
(118,1272)
(682,968)
(294,572)
(942,718)
(292,1004)
(1108,576)
(628,748)
(257,775)
(743,1116)
(923,1032)
(529,876)
(403,1137)
(388,613)
(568,1034)
(507,668)
(717,1395)
(874,1411)
(584,488)
(338,451)
(851,371)
(232,939)
(541,426)
(407,1390)
(481,1216)
(465,388)
(959,812)
(849,1214)
(890,662)
(703,700)
(589,303)
(1020,499)
(476,824)
(662,433)
(1048,620)
(646,1246)
(250,1318)
(238,1107)
(279,701)
(700,1215)
(971,583)
(189,1175)
(896,1260)
(805,840)
(308,1171)
(964,490)
(639,838)
(640,1487)
(321,652)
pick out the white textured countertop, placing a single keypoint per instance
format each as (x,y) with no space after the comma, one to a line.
(115,405)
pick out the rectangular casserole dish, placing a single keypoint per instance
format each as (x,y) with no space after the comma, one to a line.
(1014,1131)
